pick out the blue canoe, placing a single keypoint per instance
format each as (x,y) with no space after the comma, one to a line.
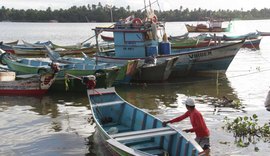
(128,130)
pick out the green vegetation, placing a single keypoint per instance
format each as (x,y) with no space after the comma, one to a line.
(99,13)
(246,130)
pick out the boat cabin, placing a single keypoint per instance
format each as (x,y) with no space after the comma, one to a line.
(134,37)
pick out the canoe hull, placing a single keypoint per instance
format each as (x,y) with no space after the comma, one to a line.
(129,130)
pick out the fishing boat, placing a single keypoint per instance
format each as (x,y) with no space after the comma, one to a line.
(7,48)
(25,50)
(26,85)
(251,35)
(10,43)
(179,37)
(86,48)
(252,40)
(213,26)
(252,43)
(36,44)
(128,130)
(139,39)
(126,71)
(263,33)
(107,38)
(189,42)
(112,73)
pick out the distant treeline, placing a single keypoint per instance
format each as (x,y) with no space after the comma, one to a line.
(99,13)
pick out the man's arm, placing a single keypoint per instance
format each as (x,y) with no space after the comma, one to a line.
(178,119)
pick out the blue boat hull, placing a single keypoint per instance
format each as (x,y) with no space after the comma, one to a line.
(129,130)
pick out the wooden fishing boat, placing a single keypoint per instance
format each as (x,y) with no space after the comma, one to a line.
(7,48)
(1,51)
(112,72)
(89,51)
(189,43)
(71,47)
(36,44)
(139,41)
(203,28)
(149,71)
(252,40)
(78,49)
(25,50)
(107,38)
(263,33)
(213,26)
(128,130)
(248,36)
(179,37)
(35,85)
(126,71)
(252,43)
(10,43)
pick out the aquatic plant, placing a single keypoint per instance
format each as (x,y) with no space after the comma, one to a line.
(246,130)
(225,102)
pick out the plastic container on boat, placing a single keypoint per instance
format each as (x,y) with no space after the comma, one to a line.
(164,48)
(152,50)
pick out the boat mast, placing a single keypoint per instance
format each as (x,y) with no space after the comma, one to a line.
(97,45)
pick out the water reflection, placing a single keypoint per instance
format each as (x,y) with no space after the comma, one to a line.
(150,96)
(97,146)
(45,125)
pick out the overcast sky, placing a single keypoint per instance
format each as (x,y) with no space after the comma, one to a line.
(138,4)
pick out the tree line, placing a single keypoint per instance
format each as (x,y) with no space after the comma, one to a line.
(100,13)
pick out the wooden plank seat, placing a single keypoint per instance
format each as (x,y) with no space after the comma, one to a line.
(143,134)
(107,104)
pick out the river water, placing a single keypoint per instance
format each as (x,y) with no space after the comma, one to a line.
(58,123)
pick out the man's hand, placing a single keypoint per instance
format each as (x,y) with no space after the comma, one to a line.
(164,123)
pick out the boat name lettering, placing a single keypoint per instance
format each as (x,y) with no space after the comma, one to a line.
(202,54)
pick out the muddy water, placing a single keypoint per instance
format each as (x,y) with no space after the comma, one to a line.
(58,123)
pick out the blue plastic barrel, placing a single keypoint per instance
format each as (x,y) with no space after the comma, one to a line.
(164,48)
(152,50)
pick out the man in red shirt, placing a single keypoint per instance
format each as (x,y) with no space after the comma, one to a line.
(197,122)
